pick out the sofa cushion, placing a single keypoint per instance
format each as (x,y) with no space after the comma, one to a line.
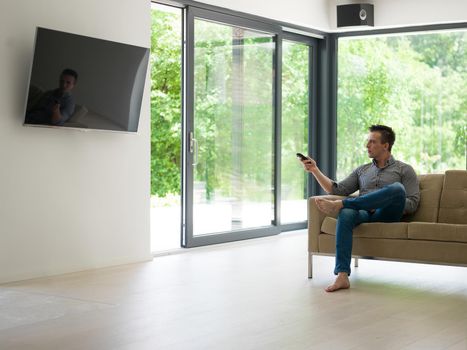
(437,232)
(430,193)
(453,204)
(392,230)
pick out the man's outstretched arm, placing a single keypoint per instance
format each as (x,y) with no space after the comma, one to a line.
(310,166)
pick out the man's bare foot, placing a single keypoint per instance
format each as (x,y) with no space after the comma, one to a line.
(329,206)
(341,282)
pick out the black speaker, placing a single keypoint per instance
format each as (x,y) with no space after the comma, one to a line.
(355,15)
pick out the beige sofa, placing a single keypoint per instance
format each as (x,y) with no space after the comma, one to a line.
(435,233)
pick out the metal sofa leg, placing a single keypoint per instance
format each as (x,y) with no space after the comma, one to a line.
(310,265)
(356,262)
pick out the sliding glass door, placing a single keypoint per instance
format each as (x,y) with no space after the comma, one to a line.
(297,106)
(233,124)
(248,109)
(230,129)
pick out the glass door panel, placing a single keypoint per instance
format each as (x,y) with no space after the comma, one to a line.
(295,121)
(166,123)
(233,126)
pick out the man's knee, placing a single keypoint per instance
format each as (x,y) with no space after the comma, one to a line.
(398,188)
(347,215)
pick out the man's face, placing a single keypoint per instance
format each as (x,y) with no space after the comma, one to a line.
(374,145)
(66,82)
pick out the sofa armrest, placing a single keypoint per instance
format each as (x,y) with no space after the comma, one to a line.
(315,219)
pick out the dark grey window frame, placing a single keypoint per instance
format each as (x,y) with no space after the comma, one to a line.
(282,31)
(189,240)
(312,122)
(323,98)
(332,156)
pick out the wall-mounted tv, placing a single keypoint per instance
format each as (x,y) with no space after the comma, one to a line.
(82,82)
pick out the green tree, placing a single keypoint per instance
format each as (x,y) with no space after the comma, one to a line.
(412,84)
(165,103)
(295,108)
(233,111)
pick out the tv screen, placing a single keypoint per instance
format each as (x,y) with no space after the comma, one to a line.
(82,82)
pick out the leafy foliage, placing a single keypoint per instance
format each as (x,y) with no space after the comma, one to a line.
(415,84)
(233,112)
(165,104)
(295,108)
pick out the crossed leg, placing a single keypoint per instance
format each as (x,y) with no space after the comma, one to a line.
(385,205)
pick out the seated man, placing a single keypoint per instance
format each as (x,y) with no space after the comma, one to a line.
(56,106)
(388,188)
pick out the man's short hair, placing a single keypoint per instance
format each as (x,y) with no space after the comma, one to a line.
(387,134)
(68,71)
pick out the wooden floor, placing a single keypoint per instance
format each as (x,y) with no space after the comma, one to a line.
(248,295)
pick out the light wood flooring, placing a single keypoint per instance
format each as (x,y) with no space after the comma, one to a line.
(248,295)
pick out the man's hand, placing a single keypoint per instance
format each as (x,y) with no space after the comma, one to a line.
(56,115)
(309,164)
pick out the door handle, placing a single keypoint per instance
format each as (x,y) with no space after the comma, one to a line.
(194,148)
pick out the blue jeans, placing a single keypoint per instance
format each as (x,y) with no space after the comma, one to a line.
(384,205)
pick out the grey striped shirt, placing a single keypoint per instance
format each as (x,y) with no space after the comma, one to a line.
(369,177)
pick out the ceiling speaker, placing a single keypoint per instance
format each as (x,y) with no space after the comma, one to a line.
(355,15)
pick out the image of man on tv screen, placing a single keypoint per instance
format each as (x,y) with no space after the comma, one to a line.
(54,107)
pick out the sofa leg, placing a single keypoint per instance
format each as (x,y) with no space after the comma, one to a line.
(310,265)
(356,262)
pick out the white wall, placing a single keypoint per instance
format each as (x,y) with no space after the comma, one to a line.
(402,13)
(321,14)
(69,200)
(308,13)
(74,200)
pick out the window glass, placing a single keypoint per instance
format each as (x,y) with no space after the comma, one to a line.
(234,114)
(417,84)
(295,108)
(166,99)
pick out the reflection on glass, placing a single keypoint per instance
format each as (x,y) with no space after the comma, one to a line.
(54,107)
(414,83)
(295,107)
(84,82)
(233,179)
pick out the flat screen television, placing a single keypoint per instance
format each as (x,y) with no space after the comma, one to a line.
(81,82)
